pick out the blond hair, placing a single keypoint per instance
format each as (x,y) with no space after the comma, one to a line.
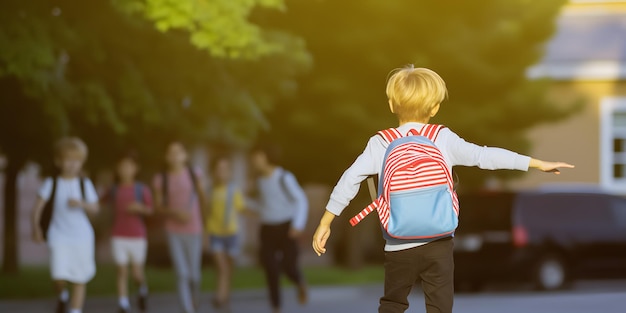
(415,92)
(70,144)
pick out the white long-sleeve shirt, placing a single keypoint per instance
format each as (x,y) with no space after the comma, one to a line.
(455,150)
(281,199)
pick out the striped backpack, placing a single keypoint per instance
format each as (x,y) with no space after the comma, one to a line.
(416,197)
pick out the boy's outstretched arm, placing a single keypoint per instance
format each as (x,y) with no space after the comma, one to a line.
(322,233)
(551,167)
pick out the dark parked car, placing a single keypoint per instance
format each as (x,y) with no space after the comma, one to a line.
(546,237)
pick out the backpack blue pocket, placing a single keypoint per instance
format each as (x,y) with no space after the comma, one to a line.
(422,214)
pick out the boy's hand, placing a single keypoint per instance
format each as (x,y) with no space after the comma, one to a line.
(322,233)
(550,167)
(320,237)
(74,203)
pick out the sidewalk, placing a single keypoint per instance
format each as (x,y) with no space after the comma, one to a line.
(321,299)
(364,299)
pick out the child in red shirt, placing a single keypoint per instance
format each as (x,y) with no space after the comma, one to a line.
(130,201)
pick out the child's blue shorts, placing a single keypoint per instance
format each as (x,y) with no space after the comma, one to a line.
(225,244)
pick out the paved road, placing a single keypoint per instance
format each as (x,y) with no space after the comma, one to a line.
(585,297)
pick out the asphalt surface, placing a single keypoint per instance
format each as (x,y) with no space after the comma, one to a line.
(586,296)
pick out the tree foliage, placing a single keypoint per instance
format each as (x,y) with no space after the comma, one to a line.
(481,49)
(99,70)
(219,26)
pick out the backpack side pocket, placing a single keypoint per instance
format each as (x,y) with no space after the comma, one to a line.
(422,214)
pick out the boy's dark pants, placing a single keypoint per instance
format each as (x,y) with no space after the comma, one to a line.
(432,264)
(278,253)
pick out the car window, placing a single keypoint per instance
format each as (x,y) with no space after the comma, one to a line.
(564,210)
(618,207)
(485,212)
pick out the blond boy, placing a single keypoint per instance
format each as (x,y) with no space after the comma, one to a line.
(415,96)
(69,234)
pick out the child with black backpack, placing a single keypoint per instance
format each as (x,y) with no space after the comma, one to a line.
(60,218)
(283,209)
(131,202)
(417,203)
(179,197)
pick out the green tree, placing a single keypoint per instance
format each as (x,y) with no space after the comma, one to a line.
(98,70)
(481,48)
(219,26)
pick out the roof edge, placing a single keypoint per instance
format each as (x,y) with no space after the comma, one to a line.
(584,70)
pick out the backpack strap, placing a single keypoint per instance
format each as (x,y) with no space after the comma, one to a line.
(431,131)
(196,188)
(284,187)
(413,132)
(139,192)
(46,214)
(365,212)
(139,188)
(371,186)
(82,188)
(194,179)
(389,134)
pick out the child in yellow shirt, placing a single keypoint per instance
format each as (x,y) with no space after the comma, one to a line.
(222,226)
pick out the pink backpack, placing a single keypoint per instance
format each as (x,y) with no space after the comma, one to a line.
(416,198)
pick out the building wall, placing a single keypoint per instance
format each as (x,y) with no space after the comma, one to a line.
(575,139)
(597,5)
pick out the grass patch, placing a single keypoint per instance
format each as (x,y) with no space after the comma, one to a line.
(34,282)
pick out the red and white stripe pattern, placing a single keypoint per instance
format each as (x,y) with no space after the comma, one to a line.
(410,166)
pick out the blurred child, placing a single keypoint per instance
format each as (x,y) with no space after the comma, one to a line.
(415,95)
(283,209)
(130,201)
(179,196)
(222,226)
(60,218)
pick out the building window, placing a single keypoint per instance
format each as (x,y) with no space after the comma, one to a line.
(613,144)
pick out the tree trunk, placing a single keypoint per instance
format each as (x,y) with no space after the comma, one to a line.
(10,260)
